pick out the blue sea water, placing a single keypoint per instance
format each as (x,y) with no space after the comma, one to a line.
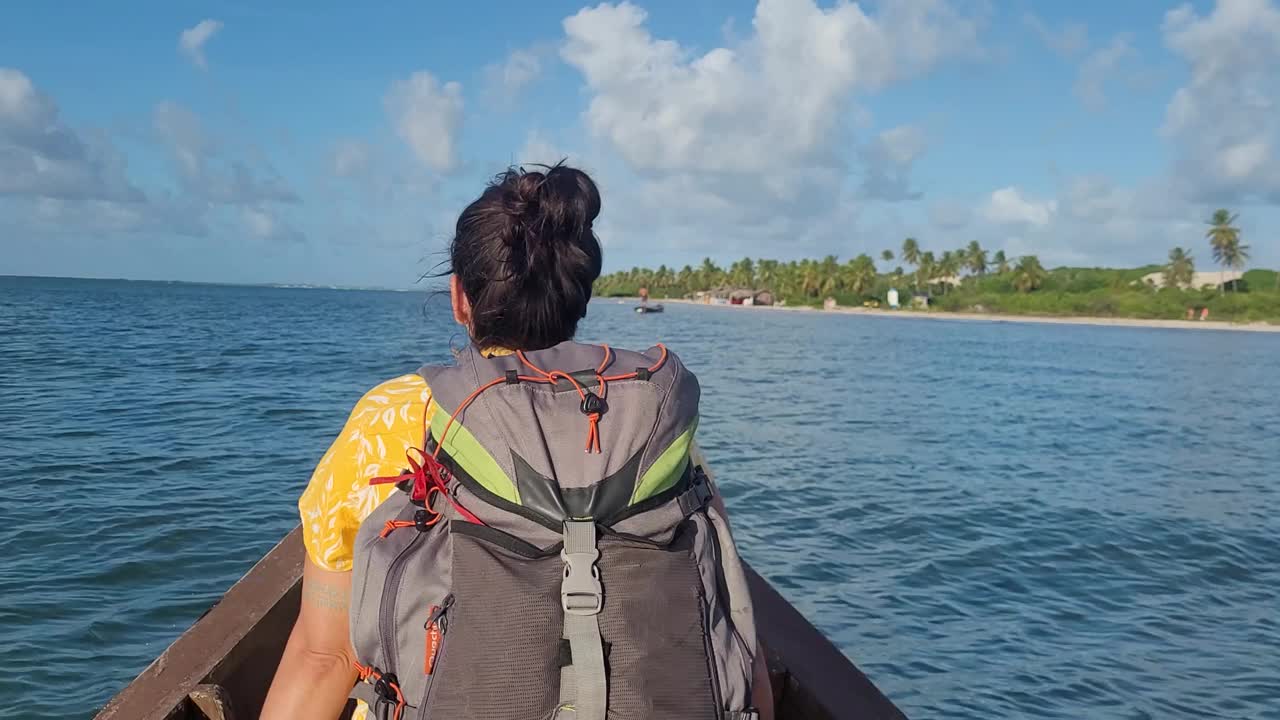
(992,520)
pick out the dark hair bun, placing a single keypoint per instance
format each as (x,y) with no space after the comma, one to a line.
(526,256)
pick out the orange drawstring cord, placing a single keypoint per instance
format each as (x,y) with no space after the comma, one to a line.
(602,390)
(393,525)
(364,672)
(662,360)
(593,418)
(608,359)
(593,433)
(454,416)
(429,469)
(529,364)
(427,474)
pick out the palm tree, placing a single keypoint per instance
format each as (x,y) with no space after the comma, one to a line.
(926,269)
(1181,269)
(957,264)
(976,258)
(1224,239)
(861,274)
(947,268)
(743,273)
(663,277)
(1002,263)
(809,279)
(887,256)
(793,277)
(710,274)
(767,273)
(684,278)
(910,251)
(1029,274)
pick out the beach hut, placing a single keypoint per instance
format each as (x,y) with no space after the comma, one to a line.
(893,298)
(764,297)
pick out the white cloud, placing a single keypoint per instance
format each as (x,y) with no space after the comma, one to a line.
(258,223)
(1225,121)
(540,149)
(735,147)
(264,225)
(41,156)
(350,158)
(1007,206)
(1090,220)
(887,163)
(184,133)
(87,218)
(1068,40)
(192,41)
(210,171)
(1242,160)
(506,81)
(950,215)
(1099,68)
(428,117)
(775,100)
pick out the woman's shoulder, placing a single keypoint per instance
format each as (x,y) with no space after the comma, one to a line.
(398,389)
(392,407)
(384,425)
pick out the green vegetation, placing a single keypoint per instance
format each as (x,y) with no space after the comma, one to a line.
(971,280)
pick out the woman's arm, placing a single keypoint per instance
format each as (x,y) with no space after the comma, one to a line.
(317,671)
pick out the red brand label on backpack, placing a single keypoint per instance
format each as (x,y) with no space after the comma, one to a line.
(433,645)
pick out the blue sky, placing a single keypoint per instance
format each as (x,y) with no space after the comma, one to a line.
(336,145)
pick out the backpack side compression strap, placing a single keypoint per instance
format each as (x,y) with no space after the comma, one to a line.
(583,685)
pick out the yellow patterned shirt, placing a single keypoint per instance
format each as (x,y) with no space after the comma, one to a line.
(387,421)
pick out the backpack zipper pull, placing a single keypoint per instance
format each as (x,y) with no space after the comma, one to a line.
(436,626)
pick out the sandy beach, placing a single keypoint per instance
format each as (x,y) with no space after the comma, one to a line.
(990,317)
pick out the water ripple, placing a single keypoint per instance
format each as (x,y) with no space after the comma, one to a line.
(993,520)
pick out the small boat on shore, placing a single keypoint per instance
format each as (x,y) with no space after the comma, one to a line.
(222,666)
(646,308)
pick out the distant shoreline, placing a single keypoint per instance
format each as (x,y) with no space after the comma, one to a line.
(214,283)
(993,317)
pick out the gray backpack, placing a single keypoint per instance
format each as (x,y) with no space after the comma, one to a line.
(554,554)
